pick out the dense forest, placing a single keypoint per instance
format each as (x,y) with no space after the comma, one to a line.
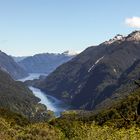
(119,122)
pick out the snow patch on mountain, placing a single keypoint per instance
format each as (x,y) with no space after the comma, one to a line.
(116,38)
(95,63)
(70,53)
(91,67)
(99,60)
(134,36)
(114,70)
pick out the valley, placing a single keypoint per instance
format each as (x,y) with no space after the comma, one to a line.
(97,76)
(69,70)
(91,95)
(49,101)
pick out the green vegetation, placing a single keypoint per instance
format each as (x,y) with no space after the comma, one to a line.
(65,130)
(15,127)
(120,122)
(122,113)
(97,75)
(75,130)
(16,97)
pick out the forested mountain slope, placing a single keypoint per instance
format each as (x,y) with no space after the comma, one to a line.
(97,74)
(16,97)
(8,64)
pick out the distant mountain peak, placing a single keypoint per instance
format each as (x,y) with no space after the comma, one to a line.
(70,53)
(96,76)
(116,38)
(45,62)
(134,36)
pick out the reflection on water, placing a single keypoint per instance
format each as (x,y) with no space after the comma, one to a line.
(50,102)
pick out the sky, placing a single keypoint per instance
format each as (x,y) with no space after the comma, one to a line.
(29,27)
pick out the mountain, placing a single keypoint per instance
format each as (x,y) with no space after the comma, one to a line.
(70,53)
(96,75)
(45,62)
(8,64)
(120,89)
(19,58)
(16,97)
(123,113)
(121,121)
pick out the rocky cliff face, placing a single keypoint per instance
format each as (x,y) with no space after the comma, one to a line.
(94,75)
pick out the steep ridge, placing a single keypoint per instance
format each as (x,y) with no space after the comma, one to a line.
(11,67)
(115,91)
(16,97)
(45,62)
(93,76)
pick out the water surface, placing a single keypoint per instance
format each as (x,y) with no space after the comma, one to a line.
(52,103)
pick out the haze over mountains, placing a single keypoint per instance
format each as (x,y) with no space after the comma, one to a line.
(20,67)
(98,74)
(19,58)
(91,80)
(16,96)
(45,62)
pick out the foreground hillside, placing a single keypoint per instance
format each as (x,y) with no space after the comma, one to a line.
(74,131)
(15,127)
(98,75)
(121,122)
(16,97)
(8,64)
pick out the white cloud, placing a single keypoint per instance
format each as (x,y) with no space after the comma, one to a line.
(133,22)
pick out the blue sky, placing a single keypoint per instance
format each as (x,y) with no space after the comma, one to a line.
(35,26)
